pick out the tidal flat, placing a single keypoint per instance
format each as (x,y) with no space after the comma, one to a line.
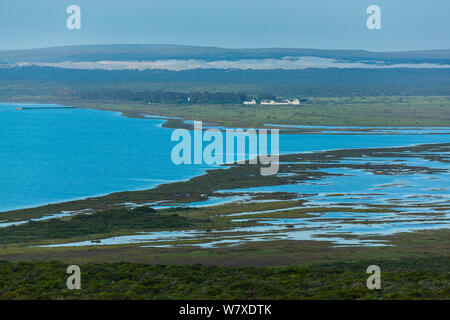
(342,198)
(374,200)
(352,188)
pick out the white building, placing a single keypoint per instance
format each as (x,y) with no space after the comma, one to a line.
(253,101)
(267,102)
(280,103)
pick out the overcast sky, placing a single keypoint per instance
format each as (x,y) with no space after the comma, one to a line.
(324,24)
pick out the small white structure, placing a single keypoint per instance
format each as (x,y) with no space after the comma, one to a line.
(281,103)
(253,101)
(267,102)
(295,102)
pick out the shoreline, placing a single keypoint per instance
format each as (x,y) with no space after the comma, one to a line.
(166,119)
(95,196)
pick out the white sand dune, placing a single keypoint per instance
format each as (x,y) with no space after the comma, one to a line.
(287,63)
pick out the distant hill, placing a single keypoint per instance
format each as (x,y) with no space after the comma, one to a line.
(138,52)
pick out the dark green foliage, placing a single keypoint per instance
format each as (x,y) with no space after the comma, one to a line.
(406,278)
(148,96)
(139,219)
(46,81)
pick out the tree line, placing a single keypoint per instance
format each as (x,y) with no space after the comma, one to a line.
(160,96)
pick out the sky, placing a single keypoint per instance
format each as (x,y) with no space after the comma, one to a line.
(321,24)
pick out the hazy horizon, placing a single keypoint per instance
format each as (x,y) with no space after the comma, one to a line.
(220,47)
(406,25)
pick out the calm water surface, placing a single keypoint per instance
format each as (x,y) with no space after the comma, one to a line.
(50,156)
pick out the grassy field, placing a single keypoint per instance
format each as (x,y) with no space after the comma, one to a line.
(376,111)
(317,111)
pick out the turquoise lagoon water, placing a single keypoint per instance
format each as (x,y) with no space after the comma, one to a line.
(49,156)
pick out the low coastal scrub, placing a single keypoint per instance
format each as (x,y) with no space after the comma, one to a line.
(405,278)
